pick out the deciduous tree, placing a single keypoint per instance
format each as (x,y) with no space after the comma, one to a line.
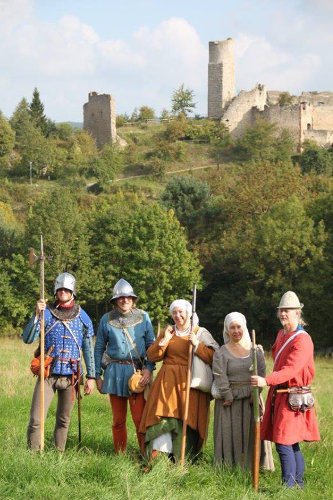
(182,100)
(145,244)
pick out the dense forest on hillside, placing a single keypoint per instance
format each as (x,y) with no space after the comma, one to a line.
(245,219)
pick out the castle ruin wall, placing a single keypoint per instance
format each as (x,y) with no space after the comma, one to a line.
(240,114)
(322,137)
(309,115)
(323,117)
(287,117)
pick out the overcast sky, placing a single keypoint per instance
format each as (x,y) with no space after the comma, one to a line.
(141,50)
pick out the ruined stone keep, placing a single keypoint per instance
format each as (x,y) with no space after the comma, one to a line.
(99,118)
(221,76)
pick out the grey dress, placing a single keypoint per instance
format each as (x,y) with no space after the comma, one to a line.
(234,424)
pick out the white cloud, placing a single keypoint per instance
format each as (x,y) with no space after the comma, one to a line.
(117,53)
(257,61)
(173,50)
(259,51)
(14,12)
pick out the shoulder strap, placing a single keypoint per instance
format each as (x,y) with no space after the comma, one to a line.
(133,344)
(52,326)
(286,343)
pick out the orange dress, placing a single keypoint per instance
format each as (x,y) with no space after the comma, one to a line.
(167,395)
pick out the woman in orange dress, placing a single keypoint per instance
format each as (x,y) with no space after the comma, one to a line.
(162,420)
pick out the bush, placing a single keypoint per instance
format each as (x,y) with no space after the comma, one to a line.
(177,129)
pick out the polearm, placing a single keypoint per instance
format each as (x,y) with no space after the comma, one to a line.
(32,259)
(256,413)
(188,382)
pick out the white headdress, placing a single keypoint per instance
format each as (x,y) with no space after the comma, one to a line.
(186,306)
(241,320)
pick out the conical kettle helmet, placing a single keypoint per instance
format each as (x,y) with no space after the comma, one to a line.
(123,289)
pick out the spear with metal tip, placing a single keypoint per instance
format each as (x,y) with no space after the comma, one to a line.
(33,258)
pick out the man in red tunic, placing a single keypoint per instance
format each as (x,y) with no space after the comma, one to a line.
(293,368)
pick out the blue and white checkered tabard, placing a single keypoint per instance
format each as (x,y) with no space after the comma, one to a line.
(66,342)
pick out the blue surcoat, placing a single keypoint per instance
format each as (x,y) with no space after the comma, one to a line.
(67,341)
(111,337)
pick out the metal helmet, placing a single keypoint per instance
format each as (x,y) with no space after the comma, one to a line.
(65,280)
(123,289)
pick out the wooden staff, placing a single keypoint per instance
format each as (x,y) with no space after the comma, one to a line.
(32,260)
(79,398)
(256,412)
(188,382)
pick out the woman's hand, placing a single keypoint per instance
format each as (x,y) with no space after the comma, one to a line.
(194,339)
(257,381)
(146,376)
(227,403)
(99,383)
(168,333)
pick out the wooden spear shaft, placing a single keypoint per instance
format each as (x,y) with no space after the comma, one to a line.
(79,399)
(188,383)
(42,348)
(256,413)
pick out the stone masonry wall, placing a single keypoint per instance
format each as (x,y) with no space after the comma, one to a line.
(323,117)
(99,118)
(221,76)
(287,116)
(240,113)
(303,120)
(322,137)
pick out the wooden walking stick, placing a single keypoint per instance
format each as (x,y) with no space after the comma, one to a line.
(256,412)
(32,260)
(188,382)
(79,398)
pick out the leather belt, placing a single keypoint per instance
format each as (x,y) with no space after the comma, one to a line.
(121,361)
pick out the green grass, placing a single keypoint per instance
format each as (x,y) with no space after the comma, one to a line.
(94,471)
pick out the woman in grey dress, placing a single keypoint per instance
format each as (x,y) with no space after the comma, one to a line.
(233,413)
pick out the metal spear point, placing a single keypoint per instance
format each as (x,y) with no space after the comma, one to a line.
(33,258)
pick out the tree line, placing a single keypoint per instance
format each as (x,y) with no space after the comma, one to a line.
(255,225)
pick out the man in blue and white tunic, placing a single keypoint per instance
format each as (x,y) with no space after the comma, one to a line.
(68,329)
(123,337)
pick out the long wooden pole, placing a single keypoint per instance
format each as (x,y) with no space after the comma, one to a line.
(42,347)
(188,382)
(79,399)
(256,412)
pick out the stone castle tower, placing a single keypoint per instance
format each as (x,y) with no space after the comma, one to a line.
(99,118)
(221,76)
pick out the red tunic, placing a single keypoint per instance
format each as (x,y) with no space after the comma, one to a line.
(294,367)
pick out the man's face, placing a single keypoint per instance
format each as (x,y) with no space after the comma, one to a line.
(124,304)
(64,295)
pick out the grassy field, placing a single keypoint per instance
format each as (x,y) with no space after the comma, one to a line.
(94,472)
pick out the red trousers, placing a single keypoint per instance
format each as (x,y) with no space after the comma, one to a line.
(119,412)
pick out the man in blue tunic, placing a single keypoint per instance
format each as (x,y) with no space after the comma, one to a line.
(68,329)
(123,336)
